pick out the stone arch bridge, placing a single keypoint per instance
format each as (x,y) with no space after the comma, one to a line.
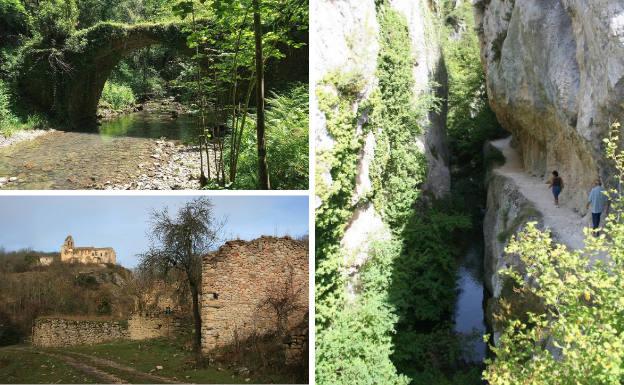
(66,83)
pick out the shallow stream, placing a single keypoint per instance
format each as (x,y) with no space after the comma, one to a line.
(77,160)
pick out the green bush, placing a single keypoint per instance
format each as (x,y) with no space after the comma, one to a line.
(578,337)
(118,96)
(287,143)
(8,121)
(55,20)
(356,347)
(13,18)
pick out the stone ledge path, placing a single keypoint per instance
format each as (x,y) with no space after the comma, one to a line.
(565,224)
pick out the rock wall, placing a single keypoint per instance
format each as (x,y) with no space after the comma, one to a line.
(345,36)
(555,78)
(55,332)
(239,281)
(145,326)
(507,213)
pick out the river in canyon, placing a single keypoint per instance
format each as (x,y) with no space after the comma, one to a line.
(469,311)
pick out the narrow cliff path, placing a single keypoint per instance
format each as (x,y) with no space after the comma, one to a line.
(566,225)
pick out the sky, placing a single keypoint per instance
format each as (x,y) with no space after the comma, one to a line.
(122,222)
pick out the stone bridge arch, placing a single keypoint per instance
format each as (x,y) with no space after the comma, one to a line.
(66,84)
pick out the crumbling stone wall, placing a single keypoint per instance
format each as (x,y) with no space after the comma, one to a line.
(54,332)
(238,280)
(296,344)
(144,326)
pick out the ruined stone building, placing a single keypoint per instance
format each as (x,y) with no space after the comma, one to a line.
(243,280)
(70,253)
(45,260)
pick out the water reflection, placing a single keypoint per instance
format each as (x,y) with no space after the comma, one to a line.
(152,124)
(469,320)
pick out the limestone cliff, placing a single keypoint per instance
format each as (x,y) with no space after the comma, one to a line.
(347,39)
(555,78)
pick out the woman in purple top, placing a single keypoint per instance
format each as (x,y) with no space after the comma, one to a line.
(556,184)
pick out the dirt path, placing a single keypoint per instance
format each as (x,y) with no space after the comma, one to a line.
(95,367)
(565,224)
(112,364)
(92,371)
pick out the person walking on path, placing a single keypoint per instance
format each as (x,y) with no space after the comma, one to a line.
(598,201)
(556,184)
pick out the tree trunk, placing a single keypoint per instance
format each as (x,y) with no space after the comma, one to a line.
(263,174)
(197,321)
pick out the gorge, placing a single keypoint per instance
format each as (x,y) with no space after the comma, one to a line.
(407,163)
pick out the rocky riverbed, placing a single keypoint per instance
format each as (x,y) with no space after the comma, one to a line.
(172,167)
(21,136)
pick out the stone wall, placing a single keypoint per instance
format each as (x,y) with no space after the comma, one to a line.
(238,279)
(296,345)
(54,332)
(145,326)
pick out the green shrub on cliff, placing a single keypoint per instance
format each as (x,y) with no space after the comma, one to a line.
(396,329)
(579,339)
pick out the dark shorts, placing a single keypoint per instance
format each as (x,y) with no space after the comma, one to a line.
(556,190)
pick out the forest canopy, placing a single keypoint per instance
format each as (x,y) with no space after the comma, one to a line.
(235,54)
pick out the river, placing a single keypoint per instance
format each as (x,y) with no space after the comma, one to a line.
(469,312)
(78,160)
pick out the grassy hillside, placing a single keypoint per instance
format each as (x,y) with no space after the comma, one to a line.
(28,290)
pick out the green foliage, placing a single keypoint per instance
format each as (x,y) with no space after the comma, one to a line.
(287,142)
(8,121)
(86,281)
(356,346)
(579,336)
(423,292)
(55,20)
(471,122)
(14,19)
(493,157)
(397,170)
(336,207)
(400,317)
(124,11)
(118,96)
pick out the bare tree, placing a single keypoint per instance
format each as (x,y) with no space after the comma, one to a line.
(283,300)
(179,242)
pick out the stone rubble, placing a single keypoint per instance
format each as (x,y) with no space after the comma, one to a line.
(174,167)
(21,136)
